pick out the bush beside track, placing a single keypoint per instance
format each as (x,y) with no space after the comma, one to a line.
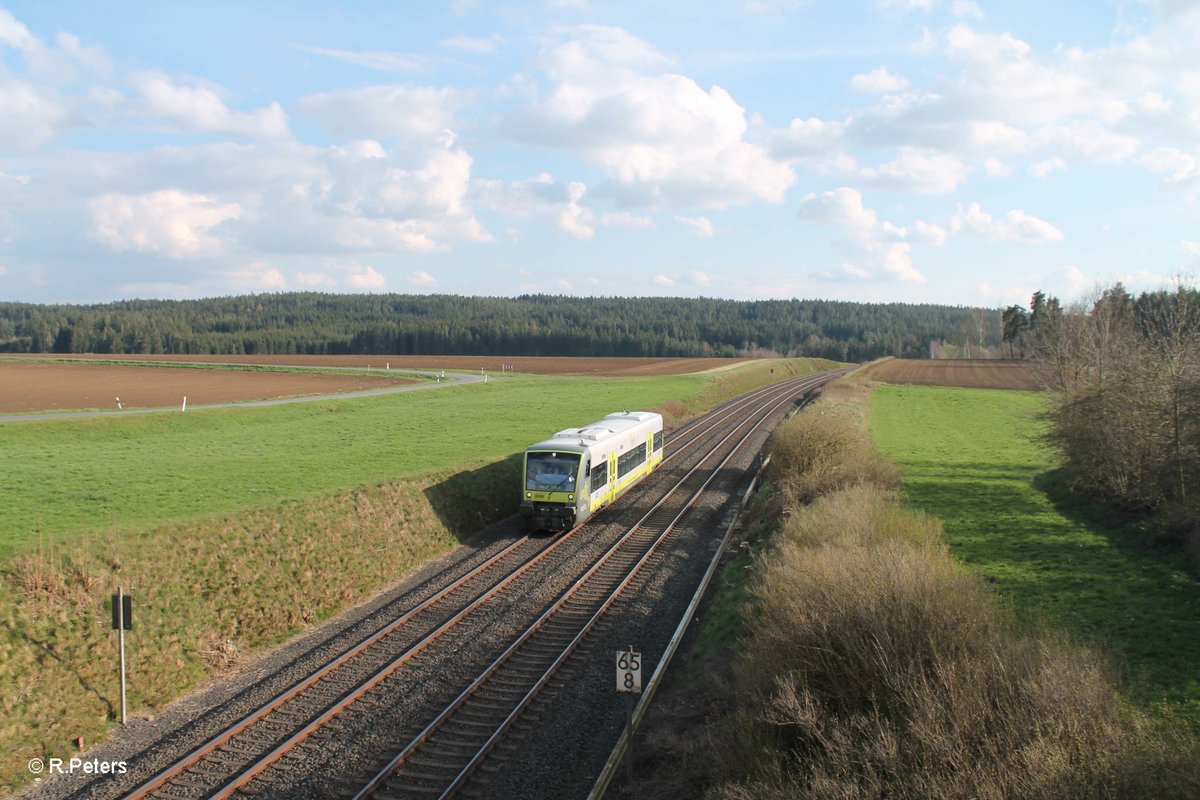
(215,591)
(860,660)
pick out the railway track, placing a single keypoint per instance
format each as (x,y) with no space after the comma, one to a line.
(437,760)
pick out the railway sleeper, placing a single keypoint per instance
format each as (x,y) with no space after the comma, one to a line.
(488,704)
(473,728)
(449,749)
(504,683)
(402,791)
(162,794)
(424,768)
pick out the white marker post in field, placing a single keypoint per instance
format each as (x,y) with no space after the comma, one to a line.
(184,404)
(629,680)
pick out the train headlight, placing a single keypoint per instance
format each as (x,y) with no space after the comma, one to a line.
(529,495)
(570,497)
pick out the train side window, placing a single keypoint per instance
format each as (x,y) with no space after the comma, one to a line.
(630,461)
(599,475)
(657,440)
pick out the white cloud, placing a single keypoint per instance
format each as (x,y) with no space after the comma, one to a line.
(878,253)
(661,139)
(925,45)
(918,171)
(201,108)
(1016,226)
(1041,169)
(28,117)
(337,274)
(381,60)
(385,112)
(316,280)
(574,218)
(171,222)
(697,226)
(1090,141)
(1190,248)
(878,81)
(966,8)
(13,32)
(422,278)
(626,220)
(807,137)
(362,276)
(1179,168)
(929,233)
(468,44)
(543,196)
(257,276)
(996,168)
(663,280)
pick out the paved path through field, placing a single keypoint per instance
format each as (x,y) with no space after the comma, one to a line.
(451,379)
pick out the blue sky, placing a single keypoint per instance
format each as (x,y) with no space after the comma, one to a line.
(948,151)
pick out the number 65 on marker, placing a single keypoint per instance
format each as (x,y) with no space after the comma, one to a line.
(629,671)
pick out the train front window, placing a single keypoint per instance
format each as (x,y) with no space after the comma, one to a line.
(551,472)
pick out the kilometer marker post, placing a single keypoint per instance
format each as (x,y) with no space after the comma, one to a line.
(629,681)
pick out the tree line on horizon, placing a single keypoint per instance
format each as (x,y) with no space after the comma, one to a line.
(530,325)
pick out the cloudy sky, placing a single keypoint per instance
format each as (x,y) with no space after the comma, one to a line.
(950,151)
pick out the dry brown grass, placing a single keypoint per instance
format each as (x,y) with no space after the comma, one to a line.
(874,665)
(208,596)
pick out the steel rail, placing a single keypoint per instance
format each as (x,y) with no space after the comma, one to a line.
(570,649)
(375,783)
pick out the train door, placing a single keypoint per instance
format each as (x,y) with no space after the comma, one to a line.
(613,479)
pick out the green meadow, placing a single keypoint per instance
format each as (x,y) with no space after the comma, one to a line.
(973,457)
(128,473)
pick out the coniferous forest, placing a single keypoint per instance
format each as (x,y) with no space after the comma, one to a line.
(530,325)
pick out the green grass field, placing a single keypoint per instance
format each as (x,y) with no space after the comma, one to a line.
(972,457)
(129,473)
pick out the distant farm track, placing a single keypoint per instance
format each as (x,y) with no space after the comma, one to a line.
(967,373)
(538,365)
(33,384)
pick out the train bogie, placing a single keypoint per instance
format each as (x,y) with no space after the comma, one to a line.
(570,476)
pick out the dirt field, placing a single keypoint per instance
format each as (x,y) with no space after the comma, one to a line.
(972,374)
(40,386)
(57,387)
(537,365)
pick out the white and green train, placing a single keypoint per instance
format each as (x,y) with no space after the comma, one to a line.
(571,475)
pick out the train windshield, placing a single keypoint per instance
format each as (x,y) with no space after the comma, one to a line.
(551,472)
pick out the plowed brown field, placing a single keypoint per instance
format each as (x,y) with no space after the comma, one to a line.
(538,365)
(41,386)
(972,374)
(56,387)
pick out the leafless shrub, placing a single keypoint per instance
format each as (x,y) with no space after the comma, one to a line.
(822,451)
(877,667)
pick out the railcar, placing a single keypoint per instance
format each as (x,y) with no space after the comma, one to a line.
(576,472)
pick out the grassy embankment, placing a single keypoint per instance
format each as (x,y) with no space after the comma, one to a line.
(235,528)
(863,658)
